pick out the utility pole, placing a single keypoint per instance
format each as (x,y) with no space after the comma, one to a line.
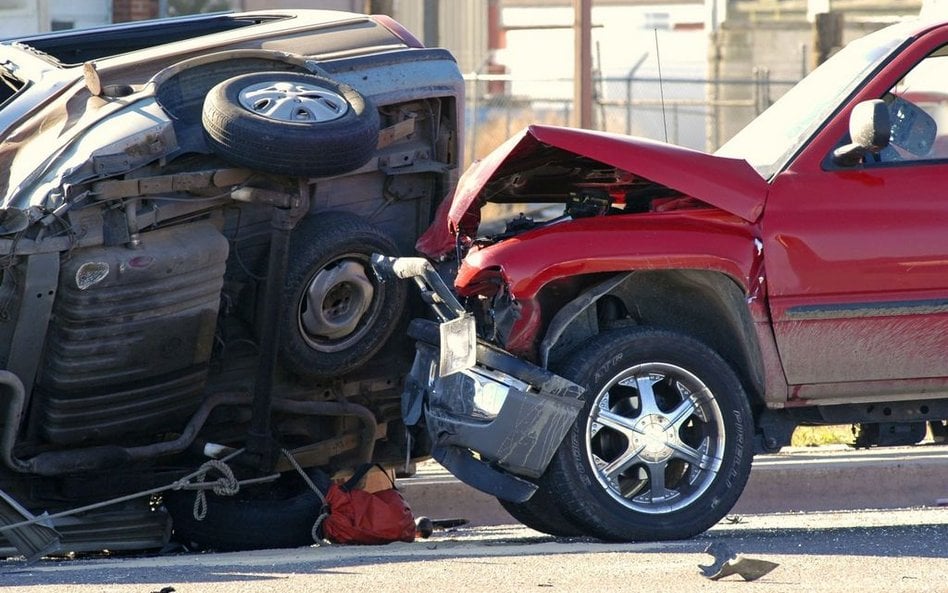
(432,23)
(380,7)
(582,64)
(42,16)
(827,35)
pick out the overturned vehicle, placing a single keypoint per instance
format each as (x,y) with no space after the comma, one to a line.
(609,365)
(189,207)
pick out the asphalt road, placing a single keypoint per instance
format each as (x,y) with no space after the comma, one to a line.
(853,552)
(796,479)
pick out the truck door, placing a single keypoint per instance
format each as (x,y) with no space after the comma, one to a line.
(857,257)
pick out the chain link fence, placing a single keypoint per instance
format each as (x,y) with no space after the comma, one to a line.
(692,112)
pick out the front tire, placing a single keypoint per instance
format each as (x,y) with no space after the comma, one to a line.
(663,446)
(540,513)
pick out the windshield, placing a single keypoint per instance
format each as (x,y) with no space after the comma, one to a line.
(769,141)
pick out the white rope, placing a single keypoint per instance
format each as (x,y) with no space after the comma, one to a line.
(324,511)
(225,485)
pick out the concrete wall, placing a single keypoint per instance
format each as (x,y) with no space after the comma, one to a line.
(749,46)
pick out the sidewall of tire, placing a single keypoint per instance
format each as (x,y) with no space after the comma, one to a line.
(571,477)
(232,524)
(541,513)
(306,149)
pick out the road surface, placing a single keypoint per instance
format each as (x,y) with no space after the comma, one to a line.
(849,551)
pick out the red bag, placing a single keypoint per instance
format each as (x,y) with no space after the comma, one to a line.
(360,517)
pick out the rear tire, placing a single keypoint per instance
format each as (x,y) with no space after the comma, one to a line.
(337,315)
(663,446)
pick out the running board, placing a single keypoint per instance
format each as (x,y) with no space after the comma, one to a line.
(36,538)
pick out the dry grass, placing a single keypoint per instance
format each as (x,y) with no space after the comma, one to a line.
(816,436)
(493,132)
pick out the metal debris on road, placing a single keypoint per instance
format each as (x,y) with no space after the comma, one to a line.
(726,563)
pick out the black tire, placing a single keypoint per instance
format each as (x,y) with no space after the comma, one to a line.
(540,513)
(233,524)
(336,314)
(648,429)
(332,131)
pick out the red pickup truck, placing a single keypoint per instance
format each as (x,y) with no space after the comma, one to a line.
(609,368)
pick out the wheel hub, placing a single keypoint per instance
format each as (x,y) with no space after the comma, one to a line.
(655,438)
(653,435)
(336,300)
(293,102)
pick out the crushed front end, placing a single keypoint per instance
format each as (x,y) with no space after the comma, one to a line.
(600,213)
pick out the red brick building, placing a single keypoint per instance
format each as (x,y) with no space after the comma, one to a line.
(134,10)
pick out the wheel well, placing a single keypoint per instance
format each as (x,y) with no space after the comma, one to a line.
(707,306)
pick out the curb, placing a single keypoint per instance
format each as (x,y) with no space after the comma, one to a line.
(794,480)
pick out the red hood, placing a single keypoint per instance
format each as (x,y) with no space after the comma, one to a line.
(729,184)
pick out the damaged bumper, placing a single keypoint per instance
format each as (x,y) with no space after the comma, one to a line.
(493,422)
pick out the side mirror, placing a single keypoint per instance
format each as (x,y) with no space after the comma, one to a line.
(869,127)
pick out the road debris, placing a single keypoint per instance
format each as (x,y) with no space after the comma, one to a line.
(423,527)
(726,563)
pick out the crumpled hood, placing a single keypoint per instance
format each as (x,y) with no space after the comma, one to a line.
(726,183)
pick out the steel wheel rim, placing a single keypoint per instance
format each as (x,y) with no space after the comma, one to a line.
(296,102)
(338,304)
(655,438)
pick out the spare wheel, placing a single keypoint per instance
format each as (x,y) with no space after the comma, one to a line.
(290,123)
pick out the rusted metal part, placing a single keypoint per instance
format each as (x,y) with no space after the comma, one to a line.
(727,563)
(260,443)
(396,132)
(370,427)
(58,462)
(323,452)
(165,184)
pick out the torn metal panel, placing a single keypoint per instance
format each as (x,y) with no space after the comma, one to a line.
(727,563)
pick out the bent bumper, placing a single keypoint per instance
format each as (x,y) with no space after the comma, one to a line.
(513,414)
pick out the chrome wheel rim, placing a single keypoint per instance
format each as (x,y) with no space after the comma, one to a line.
(655,438)
(336,307)
(297,102)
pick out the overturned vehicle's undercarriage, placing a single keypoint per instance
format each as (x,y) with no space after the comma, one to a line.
(189,210)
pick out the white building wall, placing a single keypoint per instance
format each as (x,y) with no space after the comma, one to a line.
(462,23)
(24,17)
(80,13)
(20,16)
(462,28)
(347,5)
